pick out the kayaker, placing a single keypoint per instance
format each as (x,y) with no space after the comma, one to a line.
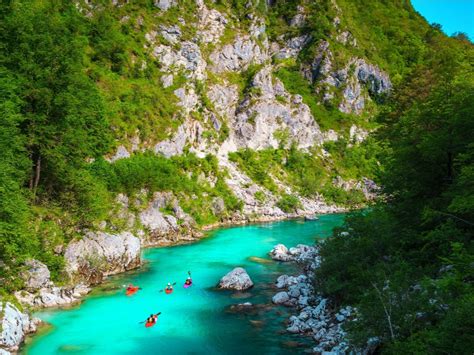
(130,287)
(152,318)
(188,281)
(169,287)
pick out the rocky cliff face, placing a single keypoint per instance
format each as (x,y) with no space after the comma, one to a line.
(14,326)
(225,77)
(163,228)
(100,254)
(232,98)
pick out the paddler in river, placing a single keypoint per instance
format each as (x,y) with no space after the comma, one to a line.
(169,287)
(189,280)
(152,318)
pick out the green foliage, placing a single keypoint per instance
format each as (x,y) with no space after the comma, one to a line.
(289,203)
(257,165)
(180,174)
(407,264)
(309,173)
(52,120)
(355,161)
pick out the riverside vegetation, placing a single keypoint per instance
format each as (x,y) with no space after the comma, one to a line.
(243,109)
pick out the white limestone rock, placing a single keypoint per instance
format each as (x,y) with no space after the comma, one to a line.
(100,254)
(237,279)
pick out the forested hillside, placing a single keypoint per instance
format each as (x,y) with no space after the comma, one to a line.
(245,110)
(407,263)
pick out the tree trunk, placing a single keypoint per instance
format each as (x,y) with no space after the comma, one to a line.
(37,176)
(387,313)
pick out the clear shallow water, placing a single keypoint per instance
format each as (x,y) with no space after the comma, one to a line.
(195,320)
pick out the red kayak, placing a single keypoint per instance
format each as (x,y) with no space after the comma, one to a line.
(168,291)
(131,290)
(151,324)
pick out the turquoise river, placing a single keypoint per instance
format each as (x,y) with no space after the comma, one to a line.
(197,320)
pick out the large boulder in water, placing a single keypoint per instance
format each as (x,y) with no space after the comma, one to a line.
(237,279)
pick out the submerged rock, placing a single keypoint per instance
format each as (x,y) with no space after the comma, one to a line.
(237,279)
(242,307)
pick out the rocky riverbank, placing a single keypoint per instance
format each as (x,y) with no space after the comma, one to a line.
(14,326)
(96,255)
(313,315)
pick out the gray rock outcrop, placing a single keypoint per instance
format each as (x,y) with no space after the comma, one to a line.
(14,326)
(163,227)
(100,254)
(36,276)
(292,47)
(237,55)
(165,4)
(237,279)
(270,117)
(52,296)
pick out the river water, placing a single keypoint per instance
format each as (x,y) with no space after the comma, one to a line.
(197,320)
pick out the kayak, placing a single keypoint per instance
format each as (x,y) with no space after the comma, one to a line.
(131,291)
(167,291)
(187,285)
(151,324)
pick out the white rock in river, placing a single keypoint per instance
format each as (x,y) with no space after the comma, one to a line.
(281,298)
(280,253)
(285,281)
(237,279)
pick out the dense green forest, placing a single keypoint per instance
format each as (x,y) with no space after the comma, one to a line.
(408,262)
(73,87)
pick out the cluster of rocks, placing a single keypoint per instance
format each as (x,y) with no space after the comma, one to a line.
(301,253)
(315,317)
(39,291)
(53,296)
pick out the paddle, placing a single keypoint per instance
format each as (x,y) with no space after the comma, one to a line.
(172,285)
(155,315)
